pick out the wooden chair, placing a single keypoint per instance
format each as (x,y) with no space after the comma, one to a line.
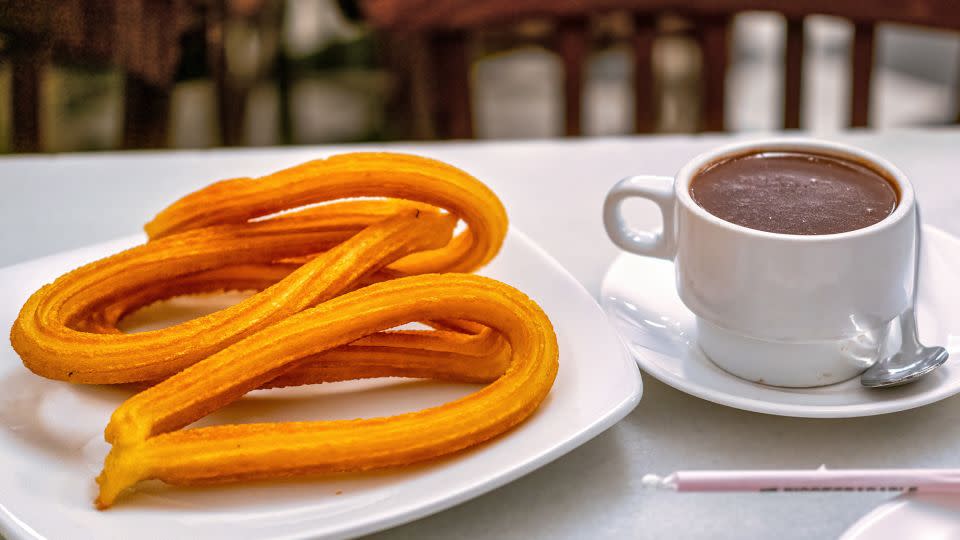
(141,37)
(446,26)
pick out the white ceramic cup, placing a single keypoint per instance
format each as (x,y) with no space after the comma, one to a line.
(778,309)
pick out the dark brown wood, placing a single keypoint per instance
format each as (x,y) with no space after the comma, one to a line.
(410,105)
(572,48)
(713,36)
(29,67)
(284,111)
(712,26)
(862,73)
(452,101)
(213,21)
(26,16)
(793,74)
(140,37)
(533,33)
(956,94)
(232,110)
(146,114)
(147,36)
(410,108)
(396,55)
(644,108)
(411,15)
(423,113)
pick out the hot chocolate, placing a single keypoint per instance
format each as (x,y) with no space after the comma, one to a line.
(794,193)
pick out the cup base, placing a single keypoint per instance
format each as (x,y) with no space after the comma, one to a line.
(789,363)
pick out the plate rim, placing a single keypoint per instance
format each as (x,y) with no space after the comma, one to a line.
(15,529)
(868,523)
(768,407)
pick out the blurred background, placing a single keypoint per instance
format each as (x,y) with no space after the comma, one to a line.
(84,75)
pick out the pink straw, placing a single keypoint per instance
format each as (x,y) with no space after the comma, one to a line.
(822,479)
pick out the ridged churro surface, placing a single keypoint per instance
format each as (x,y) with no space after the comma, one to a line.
(341,251)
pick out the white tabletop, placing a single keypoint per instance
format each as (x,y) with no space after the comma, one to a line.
(553,191)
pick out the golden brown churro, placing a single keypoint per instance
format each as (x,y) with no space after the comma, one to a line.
(334,281)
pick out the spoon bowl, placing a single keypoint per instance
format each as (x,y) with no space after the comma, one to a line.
(913,360)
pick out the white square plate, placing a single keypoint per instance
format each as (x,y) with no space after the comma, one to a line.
(51,433)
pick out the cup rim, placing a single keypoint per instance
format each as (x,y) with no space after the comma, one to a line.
(797,144)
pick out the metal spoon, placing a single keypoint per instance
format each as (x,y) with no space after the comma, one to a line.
(913,360)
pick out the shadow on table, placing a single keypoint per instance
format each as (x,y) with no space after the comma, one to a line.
(551,500)
(741,439)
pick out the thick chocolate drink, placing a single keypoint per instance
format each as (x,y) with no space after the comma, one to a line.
(794,193)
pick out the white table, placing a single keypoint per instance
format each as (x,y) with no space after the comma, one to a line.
(553,190)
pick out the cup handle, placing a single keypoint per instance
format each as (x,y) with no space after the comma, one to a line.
(659,189)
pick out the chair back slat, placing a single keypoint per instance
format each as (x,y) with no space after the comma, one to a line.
(644,34)
(572,43)
(452,90)
(146,115)
(956,93)
(793,74)
(713,35)
(861,73)
(28,67)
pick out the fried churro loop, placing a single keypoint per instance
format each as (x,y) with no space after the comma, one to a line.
(205,242)
(145,445)
(334,281)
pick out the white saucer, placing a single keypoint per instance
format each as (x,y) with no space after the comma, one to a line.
(919,515)
(639,296)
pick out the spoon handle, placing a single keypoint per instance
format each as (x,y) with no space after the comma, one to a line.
(918,246)
(908,319)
